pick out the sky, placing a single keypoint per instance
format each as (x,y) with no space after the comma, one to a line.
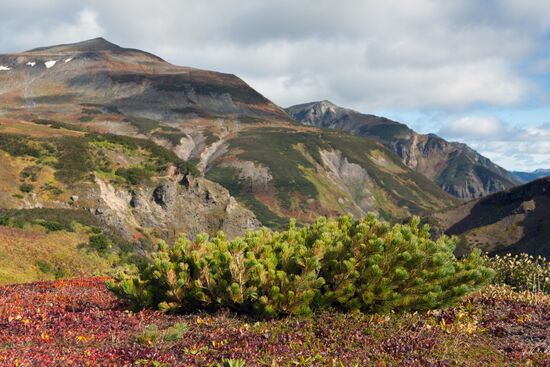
(474,71)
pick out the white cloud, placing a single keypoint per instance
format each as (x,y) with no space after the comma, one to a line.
(515,148)
(474,127)
(44,31)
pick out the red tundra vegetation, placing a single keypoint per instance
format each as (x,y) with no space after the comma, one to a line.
(78,322)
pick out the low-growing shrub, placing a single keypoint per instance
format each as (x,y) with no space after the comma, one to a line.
(30,172)
(100,242)
(522,272)
(19,146)
(364,265)
(26,187)
(74,162)
(148,335)
(151,334)
(51,226)
(134,175)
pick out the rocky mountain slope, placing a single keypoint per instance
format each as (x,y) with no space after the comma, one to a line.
(58,80)
(515,220)
(128,183)
(142,124)
(525,177)
(455,167)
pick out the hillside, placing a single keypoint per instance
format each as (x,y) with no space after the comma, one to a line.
(515,220)
(454,167)
(178,117)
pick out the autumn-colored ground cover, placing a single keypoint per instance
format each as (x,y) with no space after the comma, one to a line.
(79,323)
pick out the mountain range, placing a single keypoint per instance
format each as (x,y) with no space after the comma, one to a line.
(525,177)
(150,150)
(455,167)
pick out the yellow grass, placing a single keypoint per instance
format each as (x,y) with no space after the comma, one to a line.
(22,250)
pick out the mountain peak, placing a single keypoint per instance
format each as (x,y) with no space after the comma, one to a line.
(91,45)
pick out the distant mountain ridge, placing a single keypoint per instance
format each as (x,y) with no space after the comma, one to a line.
(455,167)
(525,177)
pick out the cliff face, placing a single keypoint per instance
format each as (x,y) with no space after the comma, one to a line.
(174,205)
(455,167)
(514,220)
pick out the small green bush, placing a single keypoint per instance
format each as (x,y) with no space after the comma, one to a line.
(30,172)
(100,242)
(20,146)
(26,187)
(148,335)
(364,265)
(50,226)
(74,161)
(522,272)
(175,332)
(134,175)
(86,118)
(44,266)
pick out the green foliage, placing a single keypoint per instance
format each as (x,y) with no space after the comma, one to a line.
(63,218)
(209,137)
(57,124)
(86,118)
(74,161)
(148,335)
(175,332)
(173,137)
(51,188)
(20,146)
(100,242)
(151,334)
(278,150)
(51,226)
(144,125)
(44,266)
(522,272)
(134,175)
(364,265)
(26,187)
(91,111)
(30,172)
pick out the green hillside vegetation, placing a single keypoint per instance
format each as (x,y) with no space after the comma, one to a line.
(293,158)
(76,158)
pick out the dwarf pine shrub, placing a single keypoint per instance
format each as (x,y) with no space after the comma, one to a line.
(364,265)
